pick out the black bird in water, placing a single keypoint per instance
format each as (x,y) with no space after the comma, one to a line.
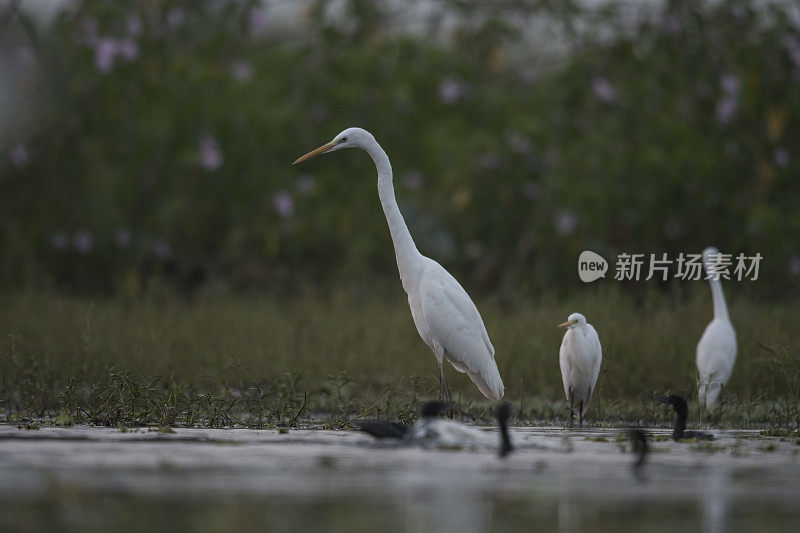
(434,432)
(681,410)
(502,413)
(639,446)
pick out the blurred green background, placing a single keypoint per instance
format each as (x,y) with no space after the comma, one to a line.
(150,142)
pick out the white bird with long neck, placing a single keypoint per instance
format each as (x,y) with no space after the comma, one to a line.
(579,357)
(445,316)
(716,350)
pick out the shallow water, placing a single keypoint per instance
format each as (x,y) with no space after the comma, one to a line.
(86,479)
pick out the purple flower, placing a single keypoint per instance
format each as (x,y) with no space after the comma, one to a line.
(162,249)
(241,70)
(210,155)
(672,24)
(59,240)
(528,76)
(490,161)
(726,108)
(412,180)
(794,265)
(122,237)
(104,53)
(283,204)
(257,21)
(728,104)
(517,142)
(305,184)
(792,45)
(729,84)
(531,190)
(781,156)
(128,49)
(450,91)
(134,25)
(88,34)
(19,155)
(176,17)
(83,241)
(740,12)
(565,222)
(24,56)
(604,91)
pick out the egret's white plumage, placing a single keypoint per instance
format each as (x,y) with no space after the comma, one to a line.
(445,316)
(716,350)
(579,357)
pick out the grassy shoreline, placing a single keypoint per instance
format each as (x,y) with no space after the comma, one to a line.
(258,362)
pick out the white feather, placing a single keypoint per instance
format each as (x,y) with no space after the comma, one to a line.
(579,357)
(443,312)
(716,350)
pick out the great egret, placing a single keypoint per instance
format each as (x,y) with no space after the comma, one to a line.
(430,431)
(579,357)
(444,314)
(716,350)
(681,410)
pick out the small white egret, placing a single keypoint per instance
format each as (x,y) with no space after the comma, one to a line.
(445,316)
(580,356)
(716,350)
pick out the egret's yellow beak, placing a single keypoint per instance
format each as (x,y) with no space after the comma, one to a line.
(321,150)
(564,324)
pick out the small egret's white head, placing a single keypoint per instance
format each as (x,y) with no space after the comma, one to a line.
(710,259)
(710,251)
(575,319)
(349,138)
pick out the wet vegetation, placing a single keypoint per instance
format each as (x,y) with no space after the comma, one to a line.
(262,363)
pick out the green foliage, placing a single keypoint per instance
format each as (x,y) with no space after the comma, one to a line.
(232,361)
(157,139)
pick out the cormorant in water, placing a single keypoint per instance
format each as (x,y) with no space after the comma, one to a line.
(432,431)
(681,410)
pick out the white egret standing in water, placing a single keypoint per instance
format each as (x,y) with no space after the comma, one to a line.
(716,351)
(445,316)
(579,357)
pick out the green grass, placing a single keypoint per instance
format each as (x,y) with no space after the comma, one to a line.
(261,362)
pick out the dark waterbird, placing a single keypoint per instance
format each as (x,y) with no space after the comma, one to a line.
(639,446)
(681,410)
(432,431)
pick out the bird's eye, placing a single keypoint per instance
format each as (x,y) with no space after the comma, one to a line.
(343,140)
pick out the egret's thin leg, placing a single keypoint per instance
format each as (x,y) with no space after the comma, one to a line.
(700,411)
(580,414)
(440,375)
(446,389)
(571,409)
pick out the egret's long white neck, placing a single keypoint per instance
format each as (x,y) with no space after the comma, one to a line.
(720,309)
(404,248)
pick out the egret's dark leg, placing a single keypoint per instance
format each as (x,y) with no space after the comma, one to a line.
(440,375)
(571,409)
(700,410)
(580,413)
(444,391)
